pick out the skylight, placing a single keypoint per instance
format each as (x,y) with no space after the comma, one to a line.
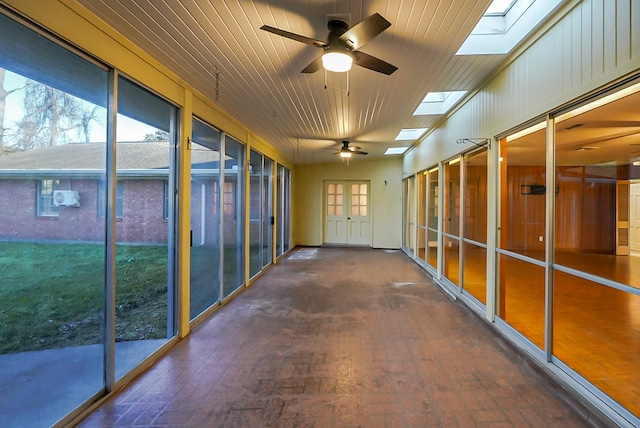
(395,150)
(438,102)
(505,24)
(411,133)
(499,7)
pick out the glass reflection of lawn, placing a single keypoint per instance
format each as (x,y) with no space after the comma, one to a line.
(205,281)
(52,294)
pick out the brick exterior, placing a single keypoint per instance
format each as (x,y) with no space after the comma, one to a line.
(142,220)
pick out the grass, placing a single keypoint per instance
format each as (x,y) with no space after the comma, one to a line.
(52,295)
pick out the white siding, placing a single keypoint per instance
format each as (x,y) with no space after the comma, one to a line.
(594,43)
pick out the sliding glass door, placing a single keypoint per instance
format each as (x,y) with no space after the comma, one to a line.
(145,155)
(53,151)
(206,235)
(260,212)
(233,214)
(283,213)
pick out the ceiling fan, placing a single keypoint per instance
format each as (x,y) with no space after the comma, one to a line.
(347,151)
(341,47)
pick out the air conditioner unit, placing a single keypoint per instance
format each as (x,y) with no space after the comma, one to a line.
(66,198)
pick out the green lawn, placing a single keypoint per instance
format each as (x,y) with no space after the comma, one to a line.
(52,295)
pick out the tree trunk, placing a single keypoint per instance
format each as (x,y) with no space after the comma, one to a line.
(3,97)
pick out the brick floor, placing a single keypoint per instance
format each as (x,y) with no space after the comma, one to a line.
(353,337)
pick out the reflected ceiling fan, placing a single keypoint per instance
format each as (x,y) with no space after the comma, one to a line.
(341,47)
(347,151)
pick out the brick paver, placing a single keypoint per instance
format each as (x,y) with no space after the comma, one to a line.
(352,337)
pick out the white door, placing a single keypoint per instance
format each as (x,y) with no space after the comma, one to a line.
(347,213)
(335,213)
(634,217)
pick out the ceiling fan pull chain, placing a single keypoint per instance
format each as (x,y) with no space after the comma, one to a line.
(347,83)
(325,78)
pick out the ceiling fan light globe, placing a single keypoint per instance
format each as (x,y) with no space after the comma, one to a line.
(338,62)
(345,154)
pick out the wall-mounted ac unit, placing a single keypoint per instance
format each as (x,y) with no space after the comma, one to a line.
(66,198)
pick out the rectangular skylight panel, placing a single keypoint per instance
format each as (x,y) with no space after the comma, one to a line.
(395,150)
(438,102)
(411,133)
(499,7)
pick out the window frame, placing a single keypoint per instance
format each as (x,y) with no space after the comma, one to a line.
(45,193)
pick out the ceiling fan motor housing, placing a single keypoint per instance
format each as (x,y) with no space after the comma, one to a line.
(337,27)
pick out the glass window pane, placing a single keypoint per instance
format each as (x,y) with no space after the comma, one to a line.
(433,200)
(363,200)
(205,217)
(522,186)
(354,189)
(475,272)
(282,214)
(475,197)
(363,210)
(255,212)
(452,199)
(597,213)
(339,189)
(521,297)
(52,240)
(339,210)
(47,207)
(408,214)
(331,210)
(422,199)
(432,248)
(267,211)
(422,242)
(331,200)
(363,189)
(339,200)
(143,289)
(451,259)
(597,333)
(233,216)
(354,200)
(354,211)
(331,189)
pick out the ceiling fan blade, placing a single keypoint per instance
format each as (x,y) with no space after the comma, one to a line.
(365,30)
(373,63)
(359,152)
(314,66)
(294,36)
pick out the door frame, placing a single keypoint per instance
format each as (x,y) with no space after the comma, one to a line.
(347,205)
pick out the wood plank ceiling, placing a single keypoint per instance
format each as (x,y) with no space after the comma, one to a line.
(259,80)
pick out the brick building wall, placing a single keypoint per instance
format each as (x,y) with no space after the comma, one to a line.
(142,220)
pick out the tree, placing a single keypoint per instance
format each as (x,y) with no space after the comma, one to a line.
(49,116)
(84,131)
(157,136)
(3,97)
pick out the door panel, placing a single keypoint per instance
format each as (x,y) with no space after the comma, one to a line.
(335,214)
(358,220)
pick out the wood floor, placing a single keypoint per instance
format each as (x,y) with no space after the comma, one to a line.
(596,329)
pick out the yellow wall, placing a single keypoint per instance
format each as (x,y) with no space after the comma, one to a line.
(386,199)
